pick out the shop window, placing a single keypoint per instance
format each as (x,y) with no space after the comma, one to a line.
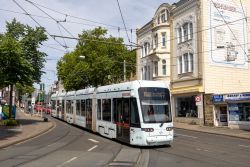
(186,107)
(239,111)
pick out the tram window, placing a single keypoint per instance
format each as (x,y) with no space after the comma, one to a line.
(68,103)
(134,121)
(126,110)
(83,108)
(62,105)
(78,107)
(114,111)
(53,104)
(89,108)
(72,107)
(106,109)
(99,104)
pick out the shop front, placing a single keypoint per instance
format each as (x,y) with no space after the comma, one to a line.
(233,110)
(187,106)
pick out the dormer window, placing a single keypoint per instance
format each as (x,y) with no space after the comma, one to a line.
(163,16)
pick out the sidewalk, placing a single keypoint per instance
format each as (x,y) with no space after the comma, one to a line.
(30,126)
(244,134)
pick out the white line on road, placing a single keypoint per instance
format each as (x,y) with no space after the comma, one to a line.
(66,162)
(244,146)
(186,136)
(92,148)
(95,141)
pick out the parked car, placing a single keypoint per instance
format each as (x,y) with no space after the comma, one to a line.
(47,110)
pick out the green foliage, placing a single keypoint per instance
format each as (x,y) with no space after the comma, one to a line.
(103,63)
(20,60)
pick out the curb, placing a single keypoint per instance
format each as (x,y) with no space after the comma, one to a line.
(53,125)
(222,134)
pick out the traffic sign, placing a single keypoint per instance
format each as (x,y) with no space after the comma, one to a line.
(197,98)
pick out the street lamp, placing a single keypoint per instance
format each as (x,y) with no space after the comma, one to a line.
(81,57)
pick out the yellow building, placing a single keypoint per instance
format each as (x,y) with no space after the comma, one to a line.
(206,56)
(210,75)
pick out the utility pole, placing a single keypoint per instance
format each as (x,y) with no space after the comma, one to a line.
(124,70)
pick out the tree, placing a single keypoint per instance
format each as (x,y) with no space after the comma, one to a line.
(103,63)
(20,60)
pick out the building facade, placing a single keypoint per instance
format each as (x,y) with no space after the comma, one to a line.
(153,58)
(208,66)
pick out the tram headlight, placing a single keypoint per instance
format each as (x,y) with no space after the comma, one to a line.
(169,128)
(147,129)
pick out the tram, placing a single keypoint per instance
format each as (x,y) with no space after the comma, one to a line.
(136,112)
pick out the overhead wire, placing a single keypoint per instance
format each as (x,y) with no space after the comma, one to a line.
(76,17)
(123,20)
(36,21)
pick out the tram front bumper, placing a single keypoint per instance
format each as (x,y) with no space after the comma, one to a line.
(159,139)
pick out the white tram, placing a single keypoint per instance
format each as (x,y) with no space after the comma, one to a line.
(137,112)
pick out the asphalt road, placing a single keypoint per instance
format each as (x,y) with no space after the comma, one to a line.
(66,145)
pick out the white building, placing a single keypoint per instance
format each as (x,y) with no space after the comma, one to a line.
(153,59)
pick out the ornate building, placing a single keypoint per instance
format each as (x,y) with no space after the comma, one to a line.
(153,58)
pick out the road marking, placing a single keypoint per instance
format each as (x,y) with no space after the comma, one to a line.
(244,146)
(92,148)
(95,141)
(186,136)
(66,162)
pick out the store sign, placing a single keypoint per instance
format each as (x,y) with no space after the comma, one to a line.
(217,98)
(237,97)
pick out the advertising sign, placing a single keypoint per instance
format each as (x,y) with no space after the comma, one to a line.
(227,34)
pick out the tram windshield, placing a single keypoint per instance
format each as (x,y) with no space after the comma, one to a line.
(155,105)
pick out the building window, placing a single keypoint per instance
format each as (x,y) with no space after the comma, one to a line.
(186,107)
(190,30)
(191,63)
(155,68)
(148,73)
(156,41)
(164,68)
(185,57)
(185,31)
(180,65)
(163,39)
(163,16)
(185,63)
(158,20)
(145,73)
(146,48)
(179,33)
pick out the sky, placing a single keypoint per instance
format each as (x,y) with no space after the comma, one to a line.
(79,15)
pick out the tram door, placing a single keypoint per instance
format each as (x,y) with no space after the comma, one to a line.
(89,114)
(122,109)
